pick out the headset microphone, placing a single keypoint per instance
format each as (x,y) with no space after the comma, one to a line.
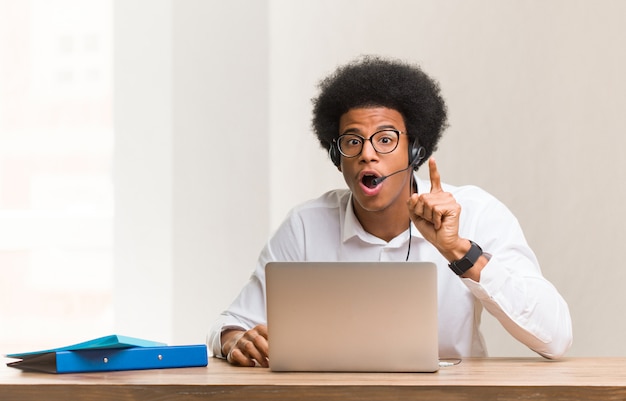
(378,180)
(416,156)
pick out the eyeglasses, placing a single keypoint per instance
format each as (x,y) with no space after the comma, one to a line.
(383,141)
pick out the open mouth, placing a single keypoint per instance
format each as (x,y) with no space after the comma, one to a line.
(368,181)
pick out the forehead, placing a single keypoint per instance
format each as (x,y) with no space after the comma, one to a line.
(371,118)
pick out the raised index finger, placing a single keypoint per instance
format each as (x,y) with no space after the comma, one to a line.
(435,178)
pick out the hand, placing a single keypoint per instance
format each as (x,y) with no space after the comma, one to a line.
(246,348)
(436,215)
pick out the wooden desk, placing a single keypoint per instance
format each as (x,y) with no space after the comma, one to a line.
(473,379)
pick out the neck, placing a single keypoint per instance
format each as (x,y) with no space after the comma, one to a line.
(385,224)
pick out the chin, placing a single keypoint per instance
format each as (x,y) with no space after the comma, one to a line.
(370,205)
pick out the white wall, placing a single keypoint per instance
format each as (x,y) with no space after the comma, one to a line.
(191,130)
(535,91)
(143,169)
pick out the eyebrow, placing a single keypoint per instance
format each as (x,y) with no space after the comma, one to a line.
(379,128)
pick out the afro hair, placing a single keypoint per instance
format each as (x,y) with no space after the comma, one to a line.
(372,81)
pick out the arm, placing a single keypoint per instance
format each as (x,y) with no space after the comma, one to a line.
(507,279)
(513,289)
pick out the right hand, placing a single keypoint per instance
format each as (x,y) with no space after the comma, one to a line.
(246,348)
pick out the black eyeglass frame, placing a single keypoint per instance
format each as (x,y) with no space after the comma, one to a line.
(337,141)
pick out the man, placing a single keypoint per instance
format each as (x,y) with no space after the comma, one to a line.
(380,120)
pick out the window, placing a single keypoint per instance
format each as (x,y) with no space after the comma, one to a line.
(56,187)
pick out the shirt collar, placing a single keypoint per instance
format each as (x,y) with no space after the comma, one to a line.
(351,225)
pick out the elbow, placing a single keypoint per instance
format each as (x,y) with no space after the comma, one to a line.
(559,346)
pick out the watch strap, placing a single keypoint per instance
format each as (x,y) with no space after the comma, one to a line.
(459,267)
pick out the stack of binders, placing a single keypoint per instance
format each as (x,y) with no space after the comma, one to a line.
(111,353)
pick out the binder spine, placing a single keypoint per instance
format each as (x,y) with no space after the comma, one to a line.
(137,358)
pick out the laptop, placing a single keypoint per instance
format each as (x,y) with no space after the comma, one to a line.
(352,316)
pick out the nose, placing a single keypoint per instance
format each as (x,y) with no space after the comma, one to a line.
(368,152)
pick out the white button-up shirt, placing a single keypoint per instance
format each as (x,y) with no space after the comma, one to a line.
(511,285)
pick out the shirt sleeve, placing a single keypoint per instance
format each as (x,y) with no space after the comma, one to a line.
(512,287)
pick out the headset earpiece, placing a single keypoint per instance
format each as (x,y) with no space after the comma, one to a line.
(333,153)
(416,154)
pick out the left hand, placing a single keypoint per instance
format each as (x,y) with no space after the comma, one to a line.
(436,215)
